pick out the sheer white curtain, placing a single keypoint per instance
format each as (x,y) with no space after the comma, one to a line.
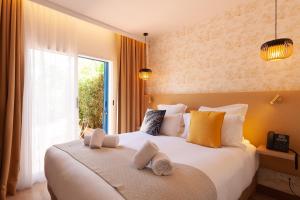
(49,107)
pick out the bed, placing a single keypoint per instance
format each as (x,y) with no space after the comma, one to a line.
(231,169)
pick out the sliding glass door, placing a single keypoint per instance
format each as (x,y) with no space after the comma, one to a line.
(49,109)
(50,104)
(93,93)
(51,112)
(105,97)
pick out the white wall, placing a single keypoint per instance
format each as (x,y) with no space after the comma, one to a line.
(222,54)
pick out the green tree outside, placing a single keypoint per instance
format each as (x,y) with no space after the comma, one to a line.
(91,84)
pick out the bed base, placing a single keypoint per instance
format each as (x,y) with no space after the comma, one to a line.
(247,193)
(52,195)
(250,190)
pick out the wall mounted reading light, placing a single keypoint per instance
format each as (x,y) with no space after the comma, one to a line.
(150,99)
(276,100)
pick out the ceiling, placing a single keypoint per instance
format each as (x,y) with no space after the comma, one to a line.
(153,16)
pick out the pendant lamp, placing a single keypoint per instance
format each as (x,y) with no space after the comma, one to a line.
(145,72)
(276,49)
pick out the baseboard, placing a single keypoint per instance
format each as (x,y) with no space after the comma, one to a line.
(275,193)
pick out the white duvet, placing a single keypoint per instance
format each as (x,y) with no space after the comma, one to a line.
(231,169)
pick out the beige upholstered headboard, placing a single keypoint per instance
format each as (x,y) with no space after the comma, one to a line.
(261,116)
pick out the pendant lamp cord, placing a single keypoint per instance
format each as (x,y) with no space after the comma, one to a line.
(146,50)
(147,61)
(275,19)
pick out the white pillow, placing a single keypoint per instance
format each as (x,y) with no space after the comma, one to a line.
(172,109)
(172,125)
(186,119)
(232,129)
(239,109)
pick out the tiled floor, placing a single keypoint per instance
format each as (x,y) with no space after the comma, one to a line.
(40,192)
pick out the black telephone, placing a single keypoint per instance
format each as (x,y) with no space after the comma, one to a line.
(278,142)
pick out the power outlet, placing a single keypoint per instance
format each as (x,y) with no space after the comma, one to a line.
(294,185)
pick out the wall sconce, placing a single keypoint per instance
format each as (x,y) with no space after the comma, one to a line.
(276,100)
(150,99)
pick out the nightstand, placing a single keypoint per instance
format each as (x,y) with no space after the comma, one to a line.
(278,161)
(275,160)
(276,170)
(264,151)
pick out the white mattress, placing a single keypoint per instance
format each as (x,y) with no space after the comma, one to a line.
(231,169)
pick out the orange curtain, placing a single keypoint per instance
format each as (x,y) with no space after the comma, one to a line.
(11,92)
(131,88)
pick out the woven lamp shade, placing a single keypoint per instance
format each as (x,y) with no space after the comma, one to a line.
(276,49)
(145,74)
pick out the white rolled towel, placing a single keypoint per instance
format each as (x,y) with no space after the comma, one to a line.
(87,139)
(87,134)
(97,139)
(111,141)
(143,156)
(161,165)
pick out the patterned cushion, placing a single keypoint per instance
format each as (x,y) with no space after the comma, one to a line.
(152,121)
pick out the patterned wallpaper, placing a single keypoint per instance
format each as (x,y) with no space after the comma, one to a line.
(222,54)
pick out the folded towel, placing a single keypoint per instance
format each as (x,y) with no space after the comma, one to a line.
(111,141)
(161,165)
(97,139)
(144,155)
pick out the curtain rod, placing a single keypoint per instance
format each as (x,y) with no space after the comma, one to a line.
(87,19)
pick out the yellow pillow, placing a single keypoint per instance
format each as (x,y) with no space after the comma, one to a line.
(205,128)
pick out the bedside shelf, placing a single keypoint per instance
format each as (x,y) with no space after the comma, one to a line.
(264,151)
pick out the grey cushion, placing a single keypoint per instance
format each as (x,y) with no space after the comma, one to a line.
(152,121)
